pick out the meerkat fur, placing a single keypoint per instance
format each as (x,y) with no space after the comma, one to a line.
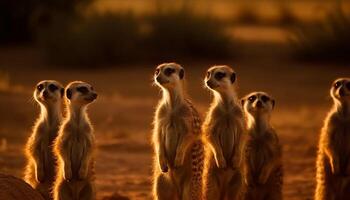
(223,131)
(262,156)
(75,145)
(333,157)
(179,152)
(40,169)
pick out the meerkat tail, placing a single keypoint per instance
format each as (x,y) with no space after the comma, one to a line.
(197,153)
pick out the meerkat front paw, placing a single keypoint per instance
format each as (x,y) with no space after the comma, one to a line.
(179,160)
(335,167)
(221,162)
(163,165)
(263,177)
(83,173)
(67,174)
(40,175)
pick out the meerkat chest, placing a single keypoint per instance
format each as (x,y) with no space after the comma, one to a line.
(341,136)
(172,128)
(228,130)
(260,152)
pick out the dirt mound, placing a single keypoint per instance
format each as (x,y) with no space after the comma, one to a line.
(12,188)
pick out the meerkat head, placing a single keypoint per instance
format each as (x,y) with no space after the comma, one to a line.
(340,90)
(169,75)
(258,103)
(220,78)
(48,92)
(80,93)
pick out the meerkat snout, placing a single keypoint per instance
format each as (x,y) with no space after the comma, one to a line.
(341,89)
(80,92)
(219,77)
(48,91)
(258,102)
(168,74)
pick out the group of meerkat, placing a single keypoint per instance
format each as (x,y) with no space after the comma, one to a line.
(235,153)
(60,150)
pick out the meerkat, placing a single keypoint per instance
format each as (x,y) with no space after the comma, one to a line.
(333,159)
(179,152)
(74,146)
(40,169)
(223,131)
(262,162)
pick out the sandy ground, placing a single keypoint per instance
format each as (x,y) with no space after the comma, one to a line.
(122,116)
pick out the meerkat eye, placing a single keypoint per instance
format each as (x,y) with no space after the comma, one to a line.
(83,89)
(40,87)
(265,98)
(337,84)
(168,71)
(251,99)
(53,87)
(219,75)
(157,71)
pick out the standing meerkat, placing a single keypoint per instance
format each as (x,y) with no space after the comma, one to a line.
(40,169)
(333,159)
(179,152)
(223,129)
(262,156)
(74,146)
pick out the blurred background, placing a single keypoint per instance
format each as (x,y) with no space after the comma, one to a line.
(290,49)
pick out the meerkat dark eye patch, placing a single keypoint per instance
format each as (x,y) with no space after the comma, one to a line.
(265,98)
(53,87)
(233,77)
(337,84)
(40,87)
(219,75)
(69,93)
(169,71)
(181,73)
(83,89)
(251,99)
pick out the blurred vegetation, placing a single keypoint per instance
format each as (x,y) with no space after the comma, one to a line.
(325,41)
(180,34)
(19,19)
(115,38)
(97,39)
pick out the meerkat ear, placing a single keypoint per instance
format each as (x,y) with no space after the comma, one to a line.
(69,93)
(273,103)
(242,102)
(181,74)
(233,77)
(62,92)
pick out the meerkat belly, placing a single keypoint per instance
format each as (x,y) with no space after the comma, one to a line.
(77,154)
(227,137)
(260,156)
(171,142)
(344,148)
